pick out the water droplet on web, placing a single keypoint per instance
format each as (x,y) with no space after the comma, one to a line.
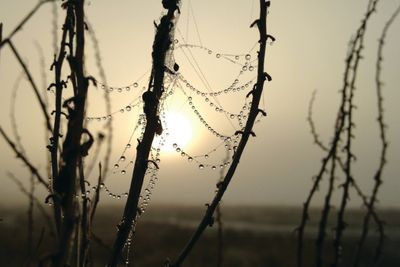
(121,110)
(128,108)
(128,145)
(175,145)
(135,85)
(248,57)
(209,52)
(190,159)
(201,166)
(206,156)
(218,55)
(119,90)
(213,168)
(251,68)
(123,172)
(244,68)
(116,166)
(122,158)
(232,116)
(237,57)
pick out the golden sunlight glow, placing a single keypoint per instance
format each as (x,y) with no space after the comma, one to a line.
(177,130)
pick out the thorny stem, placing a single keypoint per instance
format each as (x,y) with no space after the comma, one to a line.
(344,116)
(59,84)
(35,199)
(109,125)
(363,197)
(254,111)
(24,159)
(24,21)
(32,82)
(356,50)
(384,145)
(72,148)
(161,45)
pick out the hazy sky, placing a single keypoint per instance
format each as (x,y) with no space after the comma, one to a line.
(278,164)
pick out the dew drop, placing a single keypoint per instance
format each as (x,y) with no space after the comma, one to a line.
(209,52)
(248,57)
(237,57)
(128,145)
(201,166)
(122,158)
(174,145)
(232,116)
(244,68)
(206,156)
(251,68)
(123,172)
(116,166)
(128,108)
(135,85)
(178,150)
(119,90)
(121,110)
(190,159)
(218,55)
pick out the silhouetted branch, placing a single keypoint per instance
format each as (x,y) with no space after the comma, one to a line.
(151,98)
(356,49)
(24,159)
(254,110)
(106,96)
(33,84)
(24,21)
(312,124)
(384,146)
(344,126)
(35,199)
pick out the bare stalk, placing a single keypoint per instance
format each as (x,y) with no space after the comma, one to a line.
(23,158)
(245,134)
(24,21)
(65,185)
(384,143)
(151,100)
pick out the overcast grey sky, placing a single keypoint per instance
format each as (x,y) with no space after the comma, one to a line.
(278,164)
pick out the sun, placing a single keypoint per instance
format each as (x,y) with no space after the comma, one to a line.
(177,130)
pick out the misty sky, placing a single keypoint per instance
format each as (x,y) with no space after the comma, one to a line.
(278,164)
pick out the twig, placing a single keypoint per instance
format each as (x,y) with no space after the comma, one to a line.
(24,21)
(33,84)
(384,146)
(343,124)
(311,123)
(72,149)
(161,45)
(36,200)
(102,73)
(24,159)
(357,48)
(254,111)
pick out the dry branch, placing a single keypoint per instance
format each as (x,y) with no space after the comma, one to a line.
(245,134)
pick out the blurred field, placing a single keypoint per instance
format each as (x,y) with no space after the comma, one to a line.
(253,236)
